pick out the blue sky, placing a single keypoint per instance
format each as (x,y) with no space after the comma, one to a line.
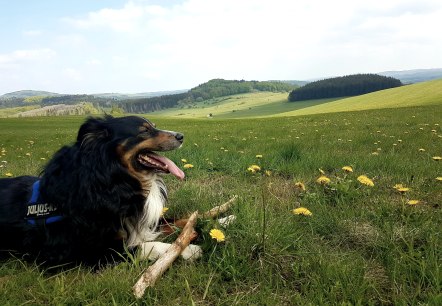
(92,46)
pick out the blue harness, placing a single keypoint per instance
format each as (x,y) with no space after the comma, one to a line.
(39,212)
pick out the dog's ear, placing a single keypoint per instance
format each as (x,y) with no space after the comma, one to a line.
(93,129)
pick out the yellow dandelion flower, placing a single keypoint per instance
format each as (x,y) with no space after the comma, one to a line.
(398,186)
(258,156)
(403,189)
(188,166)
(28,154)
(254,168)
(217,234)
(302,211)
(413,202)
(421,150)
(300,185)
(439,178)
(184,160)
(268,173)
(323,180)
(437,158)
(363,179)
(347,169)
(165,209)
(9,174)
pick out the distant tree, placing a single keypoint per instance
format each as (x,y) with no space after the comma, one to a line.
(351,85)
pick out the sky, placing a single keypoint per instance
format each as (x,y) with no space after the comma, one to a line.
(133,46)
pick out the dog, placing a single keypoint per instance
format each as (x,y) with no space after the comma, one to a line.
(96,199)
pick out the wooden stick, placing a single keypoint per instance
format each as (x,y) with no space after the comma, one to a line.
(217,210)
(170,227)
(150,276)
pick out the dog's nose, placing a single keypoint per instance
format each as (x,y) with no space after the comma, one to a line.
(179,137)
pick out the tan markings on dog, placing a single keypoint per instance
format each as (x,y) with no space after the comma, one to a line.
(142,177)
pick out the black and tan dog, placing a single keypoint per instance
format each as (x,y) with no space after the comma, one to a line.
(107,183)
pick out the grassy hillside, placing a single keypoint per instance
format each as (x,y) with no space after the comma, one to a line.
(223,105)
(275,104)
(362,245)
(426,93)
(239,106)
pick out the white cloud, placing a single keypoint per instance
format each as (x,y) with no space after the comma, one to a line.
(120,20)
(144,47)
(27,55)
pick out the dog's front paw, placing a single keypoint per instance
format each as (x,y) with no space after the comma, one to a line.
(192,252)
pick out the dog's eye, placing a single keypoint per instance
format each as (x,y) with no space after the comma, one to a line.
(143,129)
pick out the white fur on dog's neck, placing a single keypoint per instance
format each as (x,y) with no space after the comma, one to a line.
(144,228)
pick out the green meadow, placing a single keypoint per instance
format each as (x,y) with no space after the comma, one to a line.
(363,243)
(266,104)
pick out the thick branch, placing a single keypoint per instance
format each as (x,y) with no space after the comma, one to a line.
(150,276)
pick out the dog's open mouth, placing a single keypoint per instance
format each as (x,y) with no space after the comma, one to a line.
(160,163)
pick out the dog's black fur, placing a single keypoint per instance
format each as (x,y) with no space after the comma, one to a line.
(97,184)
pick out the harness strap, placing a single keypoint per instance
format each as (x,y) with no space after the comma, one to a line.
(39,212)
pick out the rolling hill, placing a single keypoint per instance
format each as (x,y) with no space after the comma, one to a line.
(419,94)
(266,104)
(414,76)
(28,93)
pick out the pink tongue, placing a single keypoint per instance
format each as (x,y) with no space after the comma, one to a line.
(173,169)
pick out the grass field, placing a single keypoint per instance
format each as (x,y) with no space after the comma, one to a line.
(362,245)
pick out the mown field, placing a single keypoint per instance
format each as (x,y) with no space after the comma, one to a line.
(362,244)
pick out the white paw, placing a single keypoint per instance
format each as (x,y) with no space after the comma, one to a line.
(154,249)
(192,252)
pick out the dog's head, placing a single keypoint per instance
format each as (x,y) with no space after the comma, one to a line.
(135,141)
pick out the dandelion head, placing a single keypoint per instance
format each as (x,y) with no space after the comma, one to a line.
(254,168)
(300,185)
(398,186)
(437,158)
(413,202)
(302,211)
(363,179)
(347,169)
(217,234)
(165,209)
(403,189)
(323,180)
(188,166)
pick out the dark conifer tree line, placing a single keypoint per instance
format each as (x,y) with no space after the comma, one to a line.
(351,85)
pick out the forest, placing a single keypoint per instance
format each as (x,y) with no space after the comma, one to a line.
(345,86)
(211,89)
